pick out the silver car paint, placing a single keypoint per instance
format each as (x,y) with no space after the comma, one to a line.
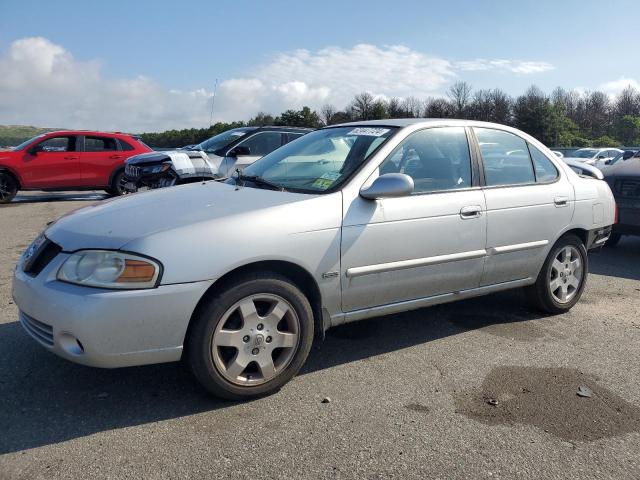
(368,257)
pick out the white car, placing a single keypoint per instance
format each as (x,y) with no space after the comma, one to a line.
(595,156)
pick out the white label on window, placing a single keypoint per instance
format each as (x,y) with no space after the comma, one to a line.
(368,131)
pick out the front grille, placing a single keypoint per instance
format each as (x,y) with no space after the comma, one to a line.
(132,171)
(41,258)
(38,330)
(628,187)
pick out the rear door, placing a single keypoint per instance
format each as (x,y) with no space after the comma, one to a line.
(527,207)
(55,165)
(99,157)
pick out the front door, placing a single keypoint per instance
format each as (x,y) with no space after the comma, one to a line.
(257,146)
(52,163)
(426,244)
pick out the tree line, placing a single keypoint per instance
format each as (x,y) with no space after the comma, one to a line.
(565,118)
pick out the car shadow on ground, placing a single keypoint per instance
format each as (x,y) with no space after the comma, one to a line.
(45,400)
(42,197)
(619,261)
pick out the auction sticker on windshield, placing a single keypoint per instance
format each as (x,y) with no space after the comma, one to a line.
(368,132)
(326,180)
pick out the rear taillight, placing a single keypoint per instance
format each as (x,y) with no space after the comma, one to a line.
(615,213)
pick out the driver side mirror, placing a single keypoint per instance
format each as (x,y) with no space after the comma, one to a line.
(389,185)
(601,157)
(239,151)
(36,149)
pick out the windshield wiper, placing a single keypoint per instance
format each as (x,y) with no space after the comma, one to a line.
(257,180)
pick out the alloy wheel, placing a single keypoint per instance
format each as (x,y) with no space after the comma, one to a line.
(566,274)
(255,339)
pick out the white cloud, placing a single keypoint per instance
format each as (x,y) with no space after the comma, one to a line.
(616,86)
(43,84)
(513,66)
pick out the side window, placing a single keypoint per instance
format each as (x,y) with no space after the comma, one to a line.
(125,146)
(99,144)
(59,144)
(263,143)
(436,158)
(293,136)
(545,169)
(505,157)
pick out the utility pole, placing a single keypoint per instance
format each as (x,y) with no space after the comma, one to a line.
(213,102)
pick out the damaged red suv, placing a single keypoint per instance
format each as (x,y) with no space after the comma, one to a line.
(67,160)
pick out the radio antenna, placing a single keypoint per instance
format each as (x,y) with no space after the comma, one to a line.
(213,102)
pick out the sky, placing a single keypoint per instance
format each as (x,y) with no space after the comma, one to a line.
(152,65)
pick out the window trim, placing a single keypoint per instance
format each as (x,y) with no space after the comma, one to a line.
(535,174)
(475,178)
(61,135)
(511,185)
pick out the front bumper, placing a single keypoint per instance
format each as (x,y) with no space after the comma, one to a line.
(105,328)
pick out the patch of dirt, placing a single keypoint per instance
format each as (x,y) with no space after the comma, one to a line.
(546,399)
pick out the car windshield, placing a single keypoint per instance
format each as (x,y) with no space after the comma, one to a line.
(223,139)
(28,142)
(585,153)
(319,161)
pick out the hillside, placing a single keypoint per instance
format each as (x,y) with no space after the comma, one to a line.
(11,135)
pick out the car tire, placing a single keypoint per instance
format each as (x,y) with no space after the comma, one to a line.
(562,278)
(8,187)
(613,240)
(117,188)
(250,338)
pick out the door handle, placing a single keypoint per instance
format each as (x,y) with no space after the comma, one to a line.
(471,211)
(561,201)
(71,157)
(115,156)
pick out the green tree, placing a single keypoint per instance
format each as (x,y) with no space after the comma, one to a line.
(627,130)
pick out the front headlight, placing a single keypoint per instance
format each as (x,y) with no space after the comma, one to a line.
(157,168)
(110,269)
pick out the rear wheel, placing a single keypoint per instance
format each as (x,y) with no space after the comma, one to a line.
(613,240)
(563,276)
(117,186)
(8,187)
(251,338)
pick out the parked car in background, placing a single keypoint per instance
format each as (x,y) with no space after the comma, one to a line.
(348,222)
(624,179)
(67,160)
(625,155)
(595,156)
(557,153)
(215,158)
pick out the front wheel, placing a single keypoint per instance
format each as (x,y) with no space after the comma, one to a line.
(251,338)
(8,187)
(562,278)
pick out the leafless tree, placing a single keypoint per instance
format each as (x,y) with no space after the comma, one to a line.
(326,113)
(438,107)
(362,106)
(628,102)
(394,108)
(459,93)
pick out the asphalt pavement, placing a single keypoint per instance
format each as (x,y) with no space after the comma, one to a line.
(482,388)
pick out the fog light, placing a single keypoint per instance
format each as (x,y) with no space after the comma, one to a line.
(70,344)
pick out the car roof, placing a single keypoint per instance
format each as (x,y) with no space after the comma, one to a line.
(408,122)
(278,127)
(88,132)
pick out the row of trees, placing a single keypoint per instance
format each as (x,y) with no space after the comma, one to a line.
(565,118)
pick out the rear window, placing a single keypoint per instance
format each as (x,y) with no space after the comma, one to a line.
(99,144)
(125,146)
(505,157)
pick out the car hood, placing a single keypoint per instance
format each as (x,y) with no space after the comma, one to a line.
(111,224)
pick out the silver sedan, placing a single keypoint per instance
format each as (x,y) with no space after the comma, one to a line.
(346,223)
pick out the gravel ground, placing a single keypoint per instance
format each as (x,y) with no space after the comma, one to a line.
(478,389)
